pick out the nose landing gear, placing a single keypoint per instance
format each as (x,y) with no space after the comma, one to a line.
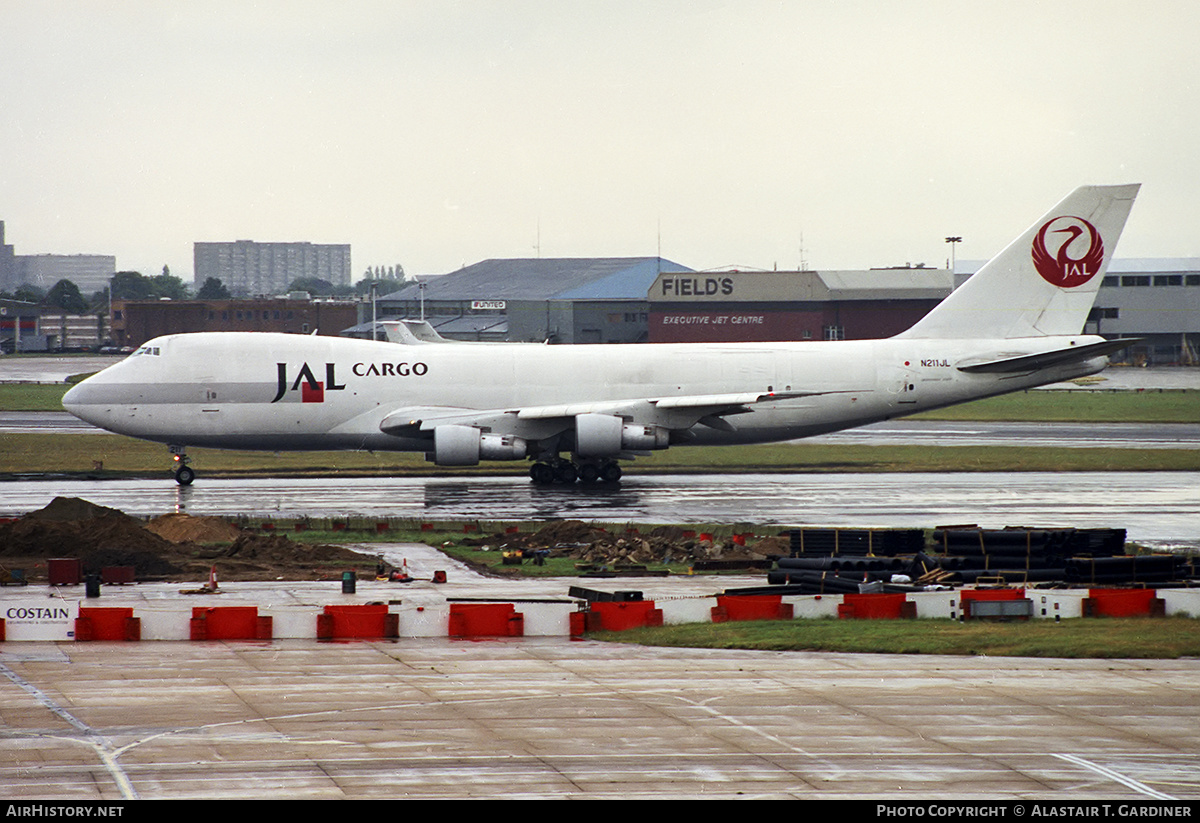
(184,474)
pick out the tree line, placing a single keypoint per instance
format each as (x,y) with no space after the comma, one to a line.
(131,285)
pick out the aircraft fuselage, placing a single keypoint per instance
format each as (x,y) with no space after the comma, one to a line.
(276,391)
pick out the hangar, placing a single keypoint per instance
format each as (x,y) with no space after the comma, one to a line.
(557,300)
(755,306)
(1157,299)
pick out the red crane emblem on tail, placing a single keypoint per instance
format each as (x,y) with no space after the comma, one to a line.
(1060,268)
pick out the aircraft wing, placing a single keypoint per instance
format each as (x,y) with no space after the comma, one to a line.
(535,422)
(1003,363)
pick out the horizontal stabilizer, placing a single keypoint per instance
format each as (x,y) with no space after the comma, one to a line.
(1044,360)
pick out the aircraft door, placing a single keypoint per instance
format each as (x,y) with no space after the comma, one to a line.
(899,382)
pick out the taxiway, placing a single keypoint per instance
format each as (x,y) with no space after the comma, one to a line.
(550,718)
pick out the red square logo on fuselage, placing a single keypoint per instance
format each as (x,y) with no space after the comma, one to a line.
(312,394)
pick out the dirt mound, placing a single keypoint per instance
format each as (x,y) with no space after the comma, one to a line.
(779,545)
(586,543)
(185,528)
(567,531)
(171,547)
(74,508)
(278,548)
(273,557)
(48,533)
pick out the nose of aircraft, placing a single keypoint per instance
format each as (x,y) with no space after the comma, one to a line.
(74,397)
(81,400)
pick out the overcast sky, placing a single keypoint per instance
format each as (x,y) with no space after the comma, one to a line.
(438,134)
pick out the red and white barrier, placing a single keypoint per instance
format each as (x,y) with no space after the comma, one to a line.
(38,618)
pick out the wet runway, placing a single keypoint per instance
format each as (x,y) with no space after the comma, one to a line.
(1157,508)
(45,423)
(52,368)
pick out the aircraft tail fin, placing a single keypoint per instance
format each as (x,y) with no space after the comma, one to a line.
(412,332)
(1045,281)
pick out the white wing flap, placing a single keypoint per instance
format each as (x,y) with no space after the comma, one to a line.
(635,409)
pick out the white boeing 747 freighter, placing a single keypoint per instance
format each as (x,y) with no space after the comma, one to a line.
(574,411)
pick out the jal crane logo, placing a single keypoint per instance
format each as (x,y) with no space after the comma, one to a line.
(1060,267)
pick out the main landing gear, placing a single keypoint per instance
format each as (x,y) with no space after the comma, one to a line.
(184,474)
(547,472)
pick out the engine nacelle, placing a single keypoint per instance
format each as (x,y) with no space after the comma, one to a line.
(467,445)
(501,447)
(605,435)
(645,438)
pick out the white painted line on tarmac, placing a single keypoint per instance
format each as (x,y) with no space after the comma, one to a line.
(93,739)
(1129,782)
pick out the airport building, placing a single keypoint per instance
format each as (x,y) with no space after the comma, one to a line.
(19,327)
(73,332)
(560,300)
(734,306)
(28,327)
(597,300)
(1156,299)
(248,268)
(136,321)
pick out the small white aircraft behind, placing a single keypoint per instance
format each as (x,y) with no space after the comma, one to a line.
(1015,324)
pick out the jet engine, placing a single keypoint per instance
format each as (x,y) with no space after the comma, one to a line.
(605,435)
(467,445)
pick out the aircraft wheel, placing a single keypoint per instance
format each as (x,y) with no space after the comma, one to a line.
(610,472)
(589,473)
(184,476)
(541,473)
(565,473)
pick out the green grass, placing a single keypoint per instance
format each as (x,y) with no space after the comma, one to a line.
(1166,406)
(1156,406)
(117,456)
(1080,638)
(32,396)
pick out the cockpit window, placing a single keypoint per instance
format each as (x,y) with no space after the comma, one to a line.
(146,350)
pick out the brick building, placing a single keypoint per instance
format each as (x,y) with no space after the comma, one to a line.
(136,321)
